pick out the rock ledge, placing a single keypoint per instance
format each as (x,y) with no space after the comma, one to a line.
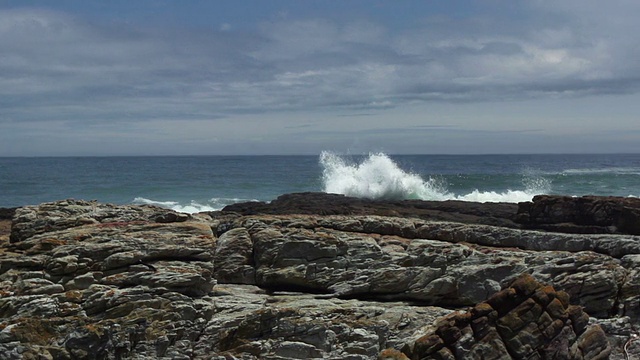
(363,280)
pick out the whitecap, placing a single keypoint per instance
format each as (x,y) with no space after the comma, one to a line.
(191,207)
(377,176)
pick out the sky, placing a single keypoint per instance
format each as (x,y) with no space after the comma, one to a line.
(241,77)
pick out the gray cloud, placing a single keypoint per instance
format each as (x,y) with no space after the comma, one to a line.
(65,69)
(56,66)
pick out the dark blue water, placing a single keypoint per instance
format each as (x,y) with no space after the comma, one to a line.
(210,182)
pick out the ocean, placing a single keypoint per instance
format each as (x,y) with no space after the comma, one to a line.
(205,183)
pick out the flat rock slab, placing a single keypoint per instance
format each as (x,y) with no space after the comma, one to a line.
(500,214)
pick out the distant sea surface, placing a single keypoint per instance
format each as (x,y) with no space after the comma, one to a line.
(203,183)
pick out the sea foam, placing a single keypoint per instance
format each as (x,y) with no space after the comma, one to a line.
(377,176)
(192,207)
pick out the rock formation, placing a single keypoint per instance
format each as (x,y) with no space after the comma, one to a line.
(587,214)
(314,276)
(522,321)
(499,214)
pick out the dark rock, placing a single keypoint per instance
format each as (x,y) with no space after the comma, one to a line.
(7,213)
(574,215)
(499,214)
(587,214)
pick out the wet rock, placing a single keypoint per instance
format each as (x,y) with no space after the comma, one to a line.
(500,214)
(586,214)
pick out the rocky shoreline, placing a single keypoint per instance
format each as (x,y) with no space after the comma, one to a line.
(316,275)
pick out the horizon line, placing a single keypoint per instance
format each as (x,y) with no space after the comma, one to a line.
(318,154)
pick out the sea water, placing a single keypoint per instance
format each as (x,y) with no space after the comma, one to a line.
(204,183)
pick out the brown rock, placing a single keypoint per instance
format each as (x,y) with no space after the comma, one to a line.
(392,354)
(520,331)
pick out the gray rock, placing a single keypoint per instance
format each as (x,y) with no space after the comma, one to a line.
(47,217)
(317,254)
(83,279)
(234,258)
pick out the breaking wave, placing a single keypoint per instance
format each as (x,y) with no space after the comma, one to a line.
(377,176)
(191,207)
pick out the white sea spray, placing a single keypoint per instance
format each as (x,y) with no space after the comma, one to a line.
(377,176)
(192,207)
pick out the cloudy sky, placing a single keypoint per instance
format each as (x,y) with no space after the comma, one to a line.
(121,77)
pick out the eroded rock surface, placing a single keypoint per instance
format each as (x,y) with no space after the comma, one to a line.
(88,280)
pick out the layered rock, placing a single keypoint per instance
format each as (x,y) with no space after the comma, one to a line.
(523,321)
(82,279)
(88,280)
(565,214)
(408,259)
